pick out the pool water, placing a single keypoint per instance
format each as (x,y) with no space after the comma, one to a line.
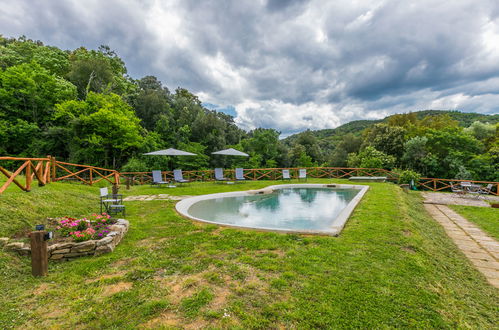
(295,209)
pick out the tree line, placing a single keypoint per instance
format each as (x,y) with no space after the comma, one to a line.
(81,106)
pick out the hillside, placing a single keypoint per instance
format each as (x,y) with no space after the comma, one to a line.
(465,119)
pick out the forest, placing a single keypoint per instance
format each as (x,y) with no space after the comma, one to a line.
(81,106)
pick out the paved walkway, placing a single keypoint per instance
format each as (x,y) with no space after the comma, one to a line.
(454,199)
(481,249)
(160,197)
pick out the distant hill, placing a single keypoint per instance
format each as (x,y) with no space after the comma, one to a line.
(465,119)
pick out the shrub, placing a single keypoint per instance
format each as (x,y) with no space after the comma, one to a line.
(407,176)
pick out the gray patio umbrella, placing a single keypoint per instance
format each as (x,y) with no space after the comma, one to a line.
(170,152)
(230,152)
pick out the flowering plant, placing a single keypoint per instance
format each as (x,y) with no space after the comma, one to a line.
(85,235)
(67,225)
(93,227)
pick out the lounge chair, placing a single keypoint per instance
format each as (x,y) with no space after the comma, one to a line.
(178,177)
(111,203)
(240,175)
(302,174)
(219,175)
(157,179)
(486,190)
(285,175)
(457,189)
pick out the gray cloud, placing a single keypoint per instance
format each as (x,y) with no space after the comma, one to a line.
(290,65)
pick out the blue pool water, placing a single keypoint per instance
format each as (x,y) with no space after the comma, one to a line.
(285,209)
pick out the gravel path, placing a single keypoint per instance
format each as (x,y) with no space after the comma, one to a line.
(454,199)
(159,197)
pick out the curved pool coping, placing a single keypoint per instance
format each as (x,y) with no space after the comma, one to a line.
(337,225)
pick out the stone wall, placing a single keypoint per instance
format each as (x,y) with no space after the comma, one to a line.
(69,250)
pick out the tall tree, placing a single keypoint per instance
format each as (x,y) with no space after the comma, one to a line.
(106,130)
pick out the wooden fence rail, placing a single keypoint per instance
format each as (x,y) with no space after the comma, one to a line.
(263,174)
(435,184)
(46,170)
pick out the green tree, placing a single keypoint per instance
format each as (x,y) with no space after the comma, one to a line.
(263,142)
(22,50)
(98,71)
(152,102)
(348,144)
(29,92)
(371,158)
(388,139)
(106,130)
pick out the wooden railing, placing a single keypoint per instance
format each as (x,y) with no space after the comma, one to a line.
(86,174)
(38,168)
(435,184)
(263,174)
(46,170)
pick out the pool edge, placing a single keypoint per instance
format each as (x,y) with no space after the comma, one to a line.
(337,226)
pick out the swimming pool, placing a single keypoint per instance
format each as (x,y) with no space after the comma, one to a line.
(304,208)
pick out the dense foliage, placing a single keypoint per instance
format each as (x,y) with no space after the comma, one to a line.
(81,106)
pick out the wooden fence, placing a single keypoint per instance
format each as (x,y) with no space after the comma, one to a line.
(435,184)
(46,170)
(263,174)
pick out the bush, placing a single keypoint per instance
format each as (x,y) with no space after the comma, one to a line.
(407,176)
(371,158)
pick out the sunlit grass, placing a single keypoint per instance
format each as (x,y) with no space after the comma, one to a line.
(392,266)
(487,218)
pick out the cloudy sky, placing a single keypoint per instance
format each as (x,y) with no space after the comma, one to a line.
(290,65)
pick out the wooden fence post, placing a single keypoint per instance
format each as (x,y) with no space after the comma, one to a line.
(39,255)
(47,174)
(91,176)
(116,178)
(28,176)
(52,164)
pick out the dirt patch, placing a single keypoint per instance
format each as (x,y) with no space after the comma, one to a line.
(41,289)
(121,262)
(147,242)
(406,232)
(217,232)
(279,253)
(56,313)
(409,249)
(168,319)
(115,288)
(220,298)
(106,277)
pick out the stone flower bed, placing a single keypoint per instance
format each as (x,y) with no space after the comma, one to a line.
(67,250)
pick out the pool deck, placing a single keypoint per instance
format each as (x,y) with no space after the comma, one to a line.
(337,224)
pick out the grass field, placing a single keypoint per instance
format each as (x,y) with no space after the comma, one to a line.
(484,217)
(392,266)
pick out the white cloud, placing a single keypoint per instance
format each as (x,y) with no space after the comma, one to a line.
(290,65)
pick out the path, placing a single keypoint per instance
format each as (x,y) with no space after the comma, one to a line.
(453,199)
(160,197)
(481,249)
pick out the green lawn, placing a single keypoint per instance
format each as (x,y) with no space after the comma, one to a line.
(486,218)
(392,266)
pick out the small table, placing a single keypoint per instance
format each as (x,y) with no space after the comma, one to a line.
(470,188)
